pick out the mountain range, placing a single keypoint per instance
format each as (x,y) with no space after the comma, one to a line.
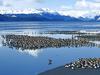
(43,15)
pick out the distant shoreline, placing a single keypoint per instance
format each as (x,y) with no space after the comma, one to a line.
(56,21)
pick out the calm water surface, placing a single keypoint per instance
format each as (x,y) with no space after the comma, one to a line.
(32,62)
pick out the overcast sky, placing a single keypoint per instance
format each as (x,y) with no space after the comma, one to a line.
(52,4)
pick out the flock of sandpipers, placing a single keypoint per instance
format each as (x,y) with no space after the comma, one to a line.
(38,42)
(84,63)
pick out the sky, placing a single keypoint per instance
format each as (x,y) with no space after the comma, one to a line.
(52,4)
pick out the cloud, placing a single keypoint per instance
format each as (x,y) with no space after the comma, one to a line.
(19,3)
(82,8)
(84,5)
(39,1)
(5,3)
(87,5)
(1,2)
(65,7)
(97,0)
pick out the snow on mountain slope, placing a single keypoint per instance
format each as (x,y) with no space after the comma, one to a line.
(98,19)
(25,11)
(80,13)
(16,11)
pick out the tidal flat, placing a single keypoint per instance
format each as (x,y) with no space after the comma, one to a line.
(49,48)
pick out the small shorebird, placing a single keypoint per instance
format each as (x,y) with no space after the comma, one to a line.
(50,62)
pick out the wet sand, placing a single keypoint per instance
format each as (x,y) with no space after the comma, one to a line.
(83,66)
(68,71)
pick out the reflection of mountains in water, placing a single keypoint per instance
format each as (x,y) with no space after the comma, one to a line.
(37,42)
(33,53)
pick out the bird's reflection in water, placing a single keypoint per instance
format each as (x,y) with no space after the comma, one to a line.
(50,61)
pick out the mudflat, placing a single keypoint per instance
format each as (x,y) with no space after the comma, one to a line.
(68,71)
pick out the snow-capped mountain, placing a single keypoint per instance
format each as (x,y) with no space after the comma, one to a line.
(44,14)
(25,11)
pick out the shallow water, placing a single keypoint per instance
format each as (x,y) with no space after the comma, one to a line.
(32,62)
